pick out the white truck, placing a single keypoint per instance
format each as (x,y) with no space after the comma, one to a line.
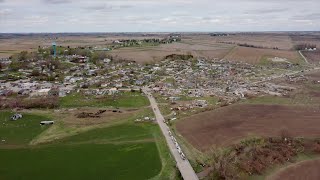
(183,157)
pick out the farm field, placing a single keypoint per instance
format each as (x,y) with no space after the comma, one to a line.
(279,40)
(255,55)
(202,45)
(99,153)
(313,39)
(82,162)
(302,170)
(11,44)
(228,125)
(306,38)
(313,57)
(157,53)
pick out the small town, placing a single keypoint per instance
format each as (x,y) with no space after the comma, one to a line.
(174,77)
(159,90)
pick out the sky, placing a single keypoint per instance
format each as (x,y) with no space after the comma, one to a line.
(24,16)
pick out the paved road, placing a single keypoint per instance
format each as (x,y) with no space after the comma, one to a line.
(184,166)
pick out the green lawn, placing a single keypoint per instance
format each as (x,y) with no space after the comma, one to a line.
(22,131)
(125,100)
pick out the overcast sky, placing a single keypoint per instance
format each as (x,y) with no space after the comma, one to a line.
(158,15)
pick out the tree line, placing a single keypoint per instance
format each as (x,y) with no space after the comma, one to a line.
(304,46)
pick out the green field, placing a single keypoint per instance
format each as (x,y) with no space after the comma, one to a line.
(125,100)
(125,151)
(22,131)
(123,132)
(84,161)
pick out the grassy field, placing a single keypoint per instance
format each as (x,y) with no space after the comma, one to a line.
(125,100)
(21,131)
(118,133)
(84,161)
(121,151)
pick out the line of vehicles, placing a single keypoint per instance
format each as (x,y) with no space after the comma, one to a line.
(183,157)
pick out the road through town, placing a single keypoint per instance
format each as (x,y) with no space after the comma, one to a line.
(184,166)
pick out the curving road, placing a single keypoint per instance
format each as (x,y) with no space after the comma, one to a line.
(184,166)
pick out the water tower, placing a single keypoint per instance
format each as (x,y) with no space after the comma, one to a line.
(54,47)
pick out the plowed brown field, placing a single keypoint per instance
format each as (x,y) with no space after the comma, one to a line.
(229,125)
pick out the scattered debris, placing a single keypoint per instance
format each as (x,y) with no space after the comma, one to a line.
(46,123)
(16,117)
(145,119)
(90,115)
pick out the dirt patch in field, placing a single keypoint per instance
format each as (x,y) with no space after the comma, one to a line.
(87,117)
(225,126)
(303,170)
(90,115)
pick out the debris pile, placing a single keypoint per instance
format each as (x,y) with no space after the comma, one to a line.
(90,115)
(16,117)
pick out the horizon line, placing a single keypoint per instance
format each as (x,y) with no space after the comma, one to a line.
(146,32)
